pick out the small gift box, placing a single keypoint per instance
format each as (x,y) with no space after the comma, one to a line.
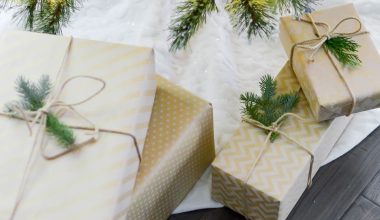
(264,180)
(178,149)
(104,92)
(336,80)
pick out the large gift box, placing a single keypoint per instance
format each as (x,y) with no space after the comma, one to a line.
(332,89)
(114,87)
(271,188)
(178,149)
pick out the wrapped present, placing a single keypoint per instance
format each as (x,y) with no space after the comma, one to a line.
(336,81)
(104,92)
(178,149)
(268,186)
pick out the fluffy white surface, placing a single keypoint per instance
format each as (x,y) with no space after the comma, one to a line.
(217,66)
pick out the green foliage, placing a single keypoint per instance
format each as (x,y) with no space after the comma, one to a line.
(32,98)
(32,94)
(63,134)
(46,16)
(345,49)
(298,7)
(191,15)
(255,17)
(268,107)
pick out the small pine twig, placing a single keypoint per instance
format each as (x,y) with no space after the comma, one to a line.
(62,133)
(190,16)
(32,98)
(268,107)
(253,16)
(345,49)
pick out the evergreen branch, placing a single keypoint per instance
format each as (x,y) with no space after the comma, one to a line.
(256,17)
(253,16)
(190,16)
(268,87)
(297,7)
(32,98)
(54,15)
(268,107)
(46,16)
(32,95)
(345,49)
(62,133)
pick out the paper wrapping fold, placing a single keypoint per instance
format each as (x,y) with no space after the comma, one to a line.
(324,89)
(178,149)
(281,175)
(97,181)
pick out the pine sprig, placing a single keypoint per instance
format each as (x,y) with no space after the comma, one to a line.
(268,107)
(190,16)
(296,7)
(253,16)
(45,16)
(63,134)
(345,49)
(32,97)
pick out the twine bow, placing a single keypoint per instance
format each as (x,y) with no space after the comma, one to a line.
(57,107)
(275,127)
(316,44)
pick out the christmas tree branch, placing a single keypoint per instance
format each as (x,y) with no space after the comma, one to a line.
(256,17)
(253,16)
(46,16)
(297,7)
(190,16)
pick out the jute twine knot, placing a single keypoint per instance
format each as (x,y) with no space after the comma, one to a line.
(314,45)
(275,128)
(57,107)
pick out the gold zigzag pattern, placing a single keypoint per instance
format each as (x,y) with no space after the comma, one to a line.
(278,168)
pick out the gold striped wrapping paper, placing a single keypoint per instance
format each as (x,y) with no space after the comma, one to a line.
(324,89)
(97,181)
(280,177)
(178,149)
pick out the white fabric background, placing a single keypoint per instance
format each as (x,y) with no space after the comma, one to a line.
(218,65)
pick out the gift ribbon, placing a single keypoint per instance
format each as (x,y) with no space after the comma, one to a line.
(58,108)
(316,44)
(275,128)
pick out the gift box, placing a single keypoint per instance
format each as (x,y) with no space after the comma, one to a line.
(113,86)
(271,188)
(333,89)
(178,149)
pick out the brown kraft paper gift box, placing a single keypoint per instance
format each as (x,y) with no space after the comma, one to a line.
(323,87)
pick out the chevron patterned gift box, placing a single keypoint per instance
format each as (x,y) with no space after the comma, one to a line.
(271,189)
(96,181)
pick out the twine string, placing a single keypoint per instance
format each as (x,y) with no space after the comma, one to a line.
(314,45)
(39,118)
(275,128)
